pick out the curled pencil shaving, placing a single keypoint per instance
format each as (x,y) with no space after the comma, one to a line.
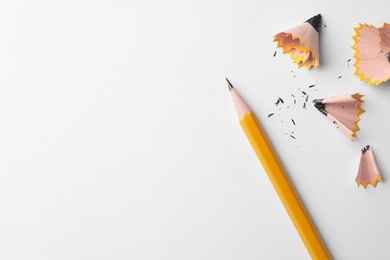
(301,42)
(372,53)
(368,172)
(344,111)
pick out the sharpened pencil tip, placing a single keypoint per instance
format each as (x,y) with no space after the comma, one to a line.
(230,86)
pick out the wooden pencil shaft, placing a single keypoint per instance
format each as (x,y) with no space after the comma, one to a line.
(279,179)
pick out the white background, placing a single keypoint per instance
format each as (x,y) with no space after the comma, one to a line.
(119,139)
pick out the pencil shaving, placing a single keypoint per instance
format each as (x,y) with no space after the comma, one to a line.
(372,53)
(301,42)
(368,172)
(343,111)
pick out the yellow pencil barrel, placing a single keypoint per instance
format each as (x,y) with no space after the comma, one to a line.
(284,187)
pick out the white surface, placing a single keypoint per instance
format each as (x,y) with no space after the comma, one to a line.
(119,139)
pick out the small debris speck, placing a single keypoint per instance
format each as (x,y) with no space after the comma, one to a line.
(293,121)
(325,25)
(304,93)
(339,77)
(304,105)
(281,100)
(270,115)
(292,136)
(311,86)
(274,53)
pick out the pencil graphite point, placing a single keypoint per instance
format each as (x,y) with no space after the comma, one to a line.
(230,86)
(320,106)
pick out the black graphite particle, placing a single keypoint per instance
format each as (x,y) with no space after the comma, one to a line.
(365,148)
(274,53)
(270,115)
(281,100)
(304,93)
(293,137)
(311,86)
(339,77)
(293,121)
